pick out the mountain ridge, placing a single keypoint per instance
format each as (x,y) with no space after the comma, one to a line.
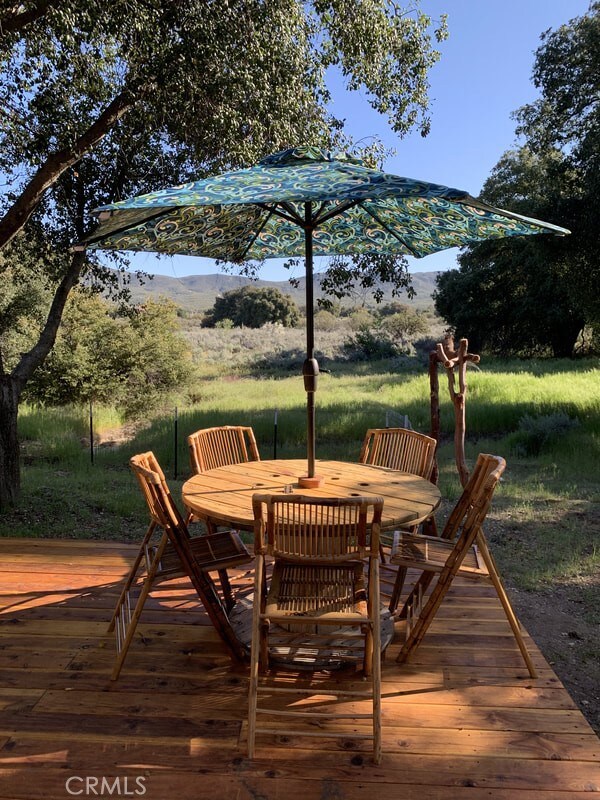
(198,292)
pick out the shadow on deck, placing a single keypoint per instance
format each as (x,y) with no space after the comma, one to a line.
(463,719)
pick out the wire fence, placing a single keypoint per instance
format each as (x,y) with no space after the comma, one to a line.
(393,419)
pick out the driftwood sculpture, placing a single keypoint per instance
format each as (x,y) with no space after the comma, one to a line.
(455,363)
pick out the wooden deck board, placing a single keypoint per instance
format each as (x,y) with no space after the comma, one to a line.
(463,719)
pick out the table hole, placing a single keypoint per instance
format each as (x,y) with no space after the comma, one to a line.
(276,475)
(258,484)
(354,494)
(364,484)
(334,479)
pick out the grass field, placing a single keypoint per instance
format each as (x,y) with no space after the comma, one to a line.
(64,494)
(544,525)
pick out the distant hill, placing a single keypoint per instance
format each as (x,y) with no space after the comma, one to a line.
(198,292)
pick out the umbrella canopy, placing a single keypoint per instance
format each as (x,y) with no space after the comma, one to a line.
(305,202)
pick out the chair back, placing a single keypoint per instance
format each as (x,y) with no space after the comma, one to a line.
(219,447)
(298,527)
(154,487)
(399,448)
(476,497)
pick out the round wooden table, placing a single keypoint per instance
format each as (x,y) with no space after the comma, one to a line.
(223,496)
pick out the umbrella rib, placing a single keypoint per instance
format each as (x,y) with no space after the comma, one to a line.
(390,231)
(123,228)
(256,235)
(289,217)
(337,211)
(291,210)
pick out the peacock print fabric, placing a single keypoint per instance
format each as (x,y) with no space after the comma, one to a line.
(260,212)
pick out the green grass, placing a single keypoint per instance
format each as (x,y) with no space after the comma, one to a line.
(545,517)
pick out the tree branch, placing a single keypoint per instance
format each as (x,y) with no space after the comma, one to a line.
(24,206)
(31,360)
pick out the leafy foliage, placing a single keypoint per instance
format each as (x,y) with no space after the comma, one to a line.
(536,294)
(131,360)
(363,275)
(536,434)
(253,307)
(389,334)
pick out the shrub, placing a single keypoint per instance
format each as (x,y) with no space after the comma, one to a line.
(367,344)
(535,434)
(325,321)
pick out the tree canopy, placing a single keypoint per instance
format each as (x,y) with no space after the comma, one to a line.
(253,307)
(230,81)
(536,294)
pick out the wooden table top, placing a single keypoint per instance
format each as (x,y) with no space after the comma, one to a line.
(224,495)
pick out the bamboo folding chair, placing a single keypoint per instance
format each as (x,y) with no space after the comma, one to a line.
(402,449)
(399,448)
(175,555)
(317,593)
(461,550)
(219,447)
(222,446)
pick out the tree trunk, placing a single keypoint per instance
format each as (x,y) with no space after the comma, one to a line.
(12,384)
(10,478)
(564,341)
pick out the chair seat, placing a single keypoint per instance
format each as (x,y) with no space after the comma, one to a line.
(329,594)
(416,550)
(222,550)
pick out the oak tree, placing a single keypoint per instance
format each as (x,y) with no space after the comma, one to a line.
(102,100)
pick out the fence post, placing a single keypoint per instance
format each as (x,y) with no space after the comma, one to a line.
(175,438)
(275,435)
(91,433)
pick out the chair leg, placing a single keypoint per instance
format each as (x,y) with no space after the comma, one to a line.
(132,575)
(254,656)
(376,666)
(125,622)
(397,590)
(506,605)
(228,597)
(418,590)
(425,618)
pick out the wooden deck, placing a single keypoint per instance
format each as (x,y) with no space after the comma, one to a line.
(462,720)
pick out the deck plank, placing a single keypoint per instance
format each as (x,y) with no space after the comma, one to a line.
(463,719)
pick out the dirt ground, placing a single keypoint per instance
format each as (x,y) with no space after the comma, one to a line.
(556,620)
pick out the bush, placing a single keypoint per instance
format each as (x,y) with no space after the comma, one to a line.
(367,344)
(325,321)
(132,360)
(535,434)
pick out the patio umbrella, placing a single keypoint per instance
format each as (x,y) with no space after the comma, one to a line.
(305,202)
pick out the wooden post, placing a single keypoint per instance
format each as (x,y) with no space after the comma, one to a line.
(454,361)
(434,400)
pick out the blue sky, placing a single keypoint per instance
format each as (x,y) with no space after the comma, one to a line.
(484,74)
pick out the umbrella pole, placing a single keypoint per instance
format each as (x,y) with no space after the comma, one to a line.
(310,368)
